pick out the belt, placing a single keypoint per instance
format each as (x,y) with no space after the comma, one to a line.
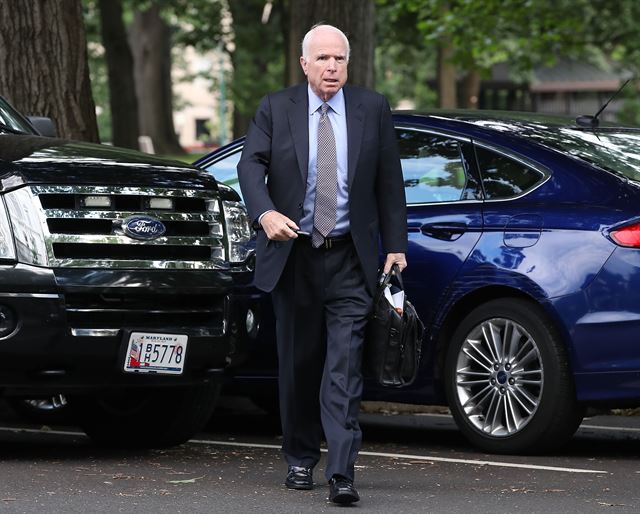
(329,242)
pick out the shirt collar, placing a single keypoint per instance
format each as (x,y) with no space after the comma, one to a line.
(336,102)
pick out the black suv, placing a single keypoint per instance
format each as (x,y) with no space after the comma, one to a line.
(116,277)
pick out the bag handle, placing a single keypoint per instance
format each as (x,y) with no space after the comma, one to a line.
(385,278)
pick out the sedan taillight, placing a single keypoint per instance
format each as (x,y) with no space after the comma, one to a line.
(627,236)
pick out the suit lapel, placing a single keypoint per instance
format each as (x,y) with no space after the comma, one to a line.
(299,125)
(355,125)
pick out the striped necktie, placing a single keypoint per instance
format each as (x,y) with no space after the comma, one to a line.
(324,215)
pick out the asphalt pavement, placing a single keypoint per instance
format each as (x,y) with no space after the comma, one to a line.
(409,463)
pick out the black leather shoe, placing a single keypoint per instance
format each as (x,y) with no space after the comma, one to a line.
(299,477)
(341,490)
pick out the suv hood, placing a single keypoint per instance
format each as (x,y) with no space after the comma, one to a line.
(28,159)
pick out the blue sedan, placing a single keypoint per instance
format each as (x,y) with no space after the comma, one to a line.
(524,264)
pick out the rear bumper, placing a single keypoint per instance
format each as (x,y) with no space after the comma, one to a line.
(611,389)
(602,323)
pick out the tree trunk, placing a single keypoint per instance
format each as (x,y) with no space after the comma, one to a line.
(356,18)
(447,86)
(150,41)
(122,89)
(446,72)
(471,89)
(240,123)
(43,64)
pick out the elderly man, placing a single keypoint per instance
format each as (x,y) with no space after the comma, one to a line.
(333,188)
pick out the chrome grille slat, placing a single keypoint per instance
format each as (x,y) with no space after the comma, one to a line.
(70,235)
(124,240)
(138,264)
(115,215)
(126,190)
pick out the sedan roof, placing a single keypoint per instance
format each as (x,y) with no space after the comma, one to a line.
(510,120)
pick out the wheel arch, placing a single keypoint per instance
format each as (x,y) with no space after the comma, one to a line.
(446,326)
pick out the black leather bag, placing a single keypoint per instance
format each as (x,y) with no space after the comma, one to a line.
(393,341)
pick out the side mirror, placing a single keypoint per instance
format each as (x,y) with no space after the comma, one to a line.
(44,126)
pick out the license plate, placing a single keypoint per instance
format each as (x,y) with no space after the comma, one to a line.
(156,353)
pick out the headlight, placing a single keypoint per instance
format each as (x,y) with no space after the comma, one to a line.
(239,231)
(7,246)
(27,227)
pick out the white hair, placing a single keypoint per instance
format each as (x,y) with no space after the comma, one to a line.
(307,39)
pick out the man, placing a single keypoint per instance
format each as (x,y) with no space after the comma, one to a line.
(333,186)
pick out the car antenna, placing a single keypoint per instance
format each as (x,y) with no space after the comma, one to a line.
(594,121)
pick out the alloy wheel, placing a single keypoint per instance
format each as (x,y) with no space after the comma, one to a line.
(499,377)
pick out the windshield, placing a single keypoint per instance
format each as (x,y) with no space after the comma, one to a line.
(611,149)
(11,121)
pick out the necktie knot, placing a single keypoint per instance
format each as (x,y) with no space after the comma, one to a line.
(324,108)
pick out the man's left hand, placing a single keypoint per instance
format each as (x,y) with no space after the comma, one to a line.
(395,258)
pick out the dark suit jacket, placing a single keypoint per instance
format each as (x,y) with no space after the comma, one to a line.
(277,148)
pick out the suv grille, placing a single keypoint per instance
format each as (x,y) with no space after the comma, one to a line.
(77,234)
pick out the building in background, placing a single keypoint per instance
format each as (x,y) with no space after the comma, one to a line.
(200,100)
(569,88)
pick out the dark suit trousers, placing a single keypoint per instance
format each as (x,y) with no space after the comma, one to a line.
(321,305)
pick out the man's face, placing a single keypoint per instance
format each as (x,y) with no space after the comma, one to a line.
(326,65)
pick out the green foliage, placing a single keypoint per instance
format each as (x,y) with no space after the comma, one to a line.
(629,113)
(258,56)
(486,32)
(196,23)
(404,61)
(526,33)
(399,78)
(253,77)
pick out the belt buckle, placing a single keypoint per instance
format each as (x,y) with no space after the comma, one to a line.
(328,243)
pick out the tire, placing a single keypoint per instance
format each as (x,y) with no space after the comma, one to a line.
(517,397)
(268,403)
(146,418)
(49,410)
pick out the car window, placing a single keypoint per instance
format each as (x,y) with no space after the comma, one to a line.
(225,171)
(12,120)
(503,177)
(612,149)
(434,168)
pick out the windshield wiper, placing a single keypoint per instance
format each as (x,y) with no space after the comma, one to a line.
(11,130)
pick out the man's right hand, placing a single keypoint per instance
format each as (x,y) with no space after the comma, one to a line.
(278,227)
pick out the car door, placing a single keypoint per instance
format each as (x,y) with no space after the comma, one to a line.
(444,209)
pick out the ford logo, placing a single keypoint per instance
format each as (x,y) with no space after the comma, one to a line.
(143,227)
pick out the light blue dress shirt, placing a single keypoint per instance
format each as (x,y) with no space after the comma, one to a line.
(338,118)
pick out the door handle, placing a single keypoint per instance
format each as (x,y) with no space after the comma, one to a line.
(447,231)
